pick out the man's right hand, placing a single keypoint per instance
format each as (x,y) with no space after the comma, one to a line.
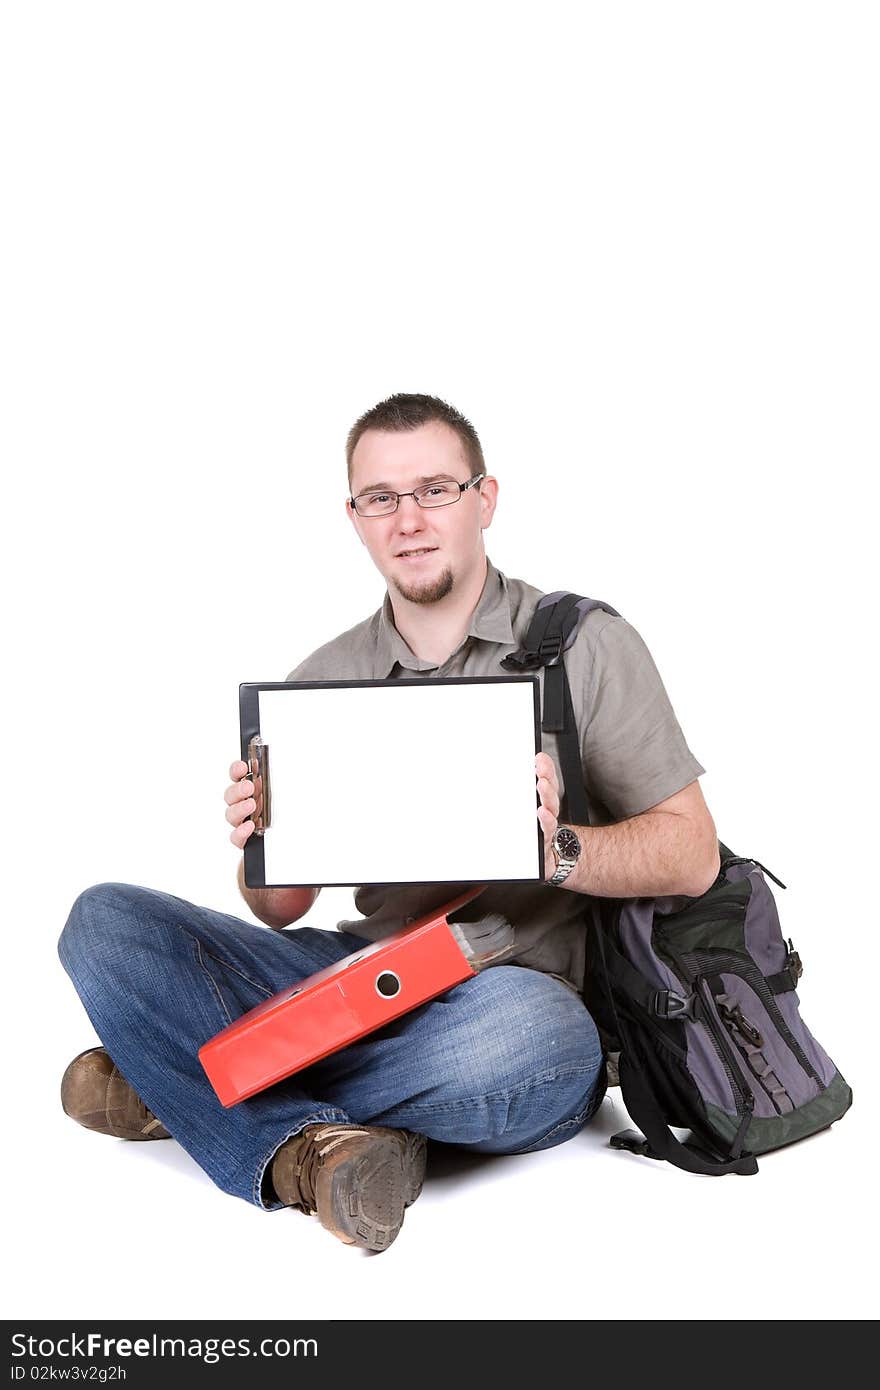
(277,907)
(244,799)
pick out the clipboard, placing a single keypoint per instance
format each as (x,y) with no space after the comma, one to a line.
(393,782)
(334,1007)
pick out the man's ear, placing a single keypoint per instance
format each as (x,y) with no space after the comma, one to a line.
(488,501)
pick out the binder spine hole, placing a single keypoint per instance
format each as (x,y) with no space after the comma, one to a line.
(387,984)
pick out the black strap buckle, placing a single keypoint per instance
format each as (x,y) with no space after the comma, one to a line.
(633,1142)
(787,978)
(550,651)
(793,963)
(665,1003)
(520,661)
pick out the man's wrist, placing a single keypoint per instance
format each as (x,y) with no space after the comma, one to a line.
(566,849)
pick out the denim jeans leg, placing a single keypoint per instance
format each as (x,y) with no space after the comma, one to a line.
(158,976)
(507,1062)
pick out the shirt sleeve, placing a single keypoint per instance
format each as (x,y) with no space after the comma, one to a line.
(634,752)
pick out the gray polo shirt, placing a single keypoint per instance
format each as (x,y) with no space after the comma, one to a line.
(632,749)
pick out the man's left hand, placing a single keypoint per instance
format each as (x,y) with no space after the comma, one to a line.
(548,811)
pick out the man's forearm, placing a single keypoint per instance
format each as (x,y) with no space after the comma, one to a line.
(648,856)
(277,907)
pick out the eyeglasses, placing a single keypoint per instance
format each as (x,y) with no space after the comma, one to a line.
(440,494)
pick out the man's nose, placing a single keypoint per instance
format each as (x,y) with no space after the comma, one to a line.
(405,518)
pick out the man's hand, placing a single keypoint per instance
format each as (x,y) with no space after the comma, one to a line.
(548,811)
(277,907)
(244,798)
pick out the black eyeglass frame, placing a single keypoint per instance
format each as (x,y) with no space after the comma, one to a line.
(462,487)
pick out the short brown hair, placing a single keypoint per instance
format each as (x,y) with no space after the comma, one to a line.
(406,412)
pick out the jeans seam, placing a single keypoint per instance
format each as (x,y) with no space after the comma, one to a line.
(575,1122)
(211,981)
(240,973)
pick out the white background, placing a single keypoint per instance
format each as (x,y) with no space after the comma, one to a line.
(637,245)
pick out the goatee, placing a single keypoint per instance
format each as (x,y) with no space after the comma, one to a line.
(428,591)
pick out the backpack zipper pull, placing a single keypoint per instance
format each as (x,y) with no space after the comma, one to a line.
(734,1017)
(763,867)
(747,859)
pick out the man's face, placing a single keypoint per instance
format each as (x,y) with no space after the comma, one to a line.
(451,536)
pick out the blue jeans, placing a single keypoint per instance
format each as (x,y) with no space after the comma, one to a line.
(507,1062)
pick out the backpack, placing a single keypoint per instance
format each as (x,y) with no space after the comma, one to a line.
(698,995)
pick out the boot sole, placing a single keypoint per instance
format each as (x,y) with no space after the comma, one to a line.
(362,1199)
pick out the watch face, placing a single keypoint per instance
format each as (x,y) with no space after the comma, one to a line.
(566,843)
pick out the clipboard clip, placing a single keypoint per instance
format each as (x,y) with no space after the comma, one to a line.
(258,766)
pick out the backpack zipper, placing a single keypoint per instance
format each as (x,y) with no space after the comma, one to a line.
(743,1098)
(734,904)
(723,1044)
(715,964)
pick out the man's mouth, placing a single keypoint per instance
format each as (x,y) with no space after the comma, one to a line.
(416,554)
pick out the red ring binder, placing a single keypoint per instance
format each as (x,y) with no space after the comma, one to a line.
(334,1007)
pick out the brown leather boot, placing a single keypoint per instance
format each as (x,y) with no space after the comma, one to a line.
(358,1179)
(96,1094)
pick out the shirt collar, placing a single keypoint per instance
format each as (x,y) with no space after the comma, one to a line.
(489,622)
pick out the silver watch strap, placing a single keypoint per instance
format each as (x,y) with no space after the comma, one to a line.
(561,873)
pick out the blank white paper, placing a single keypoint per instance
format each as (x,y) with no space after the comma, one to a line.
(416,781)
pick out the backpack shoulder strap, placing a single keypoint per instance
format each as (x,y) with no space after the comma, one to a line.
(552,630)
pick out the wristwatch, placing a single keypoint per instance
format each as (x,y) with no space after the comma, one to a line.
(566,846)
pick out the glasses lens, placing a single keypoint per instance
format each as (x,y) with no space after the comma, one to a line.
(438,494)
(375,503)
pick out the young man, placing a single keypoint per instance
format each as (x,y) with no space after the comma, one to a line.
(509,1061)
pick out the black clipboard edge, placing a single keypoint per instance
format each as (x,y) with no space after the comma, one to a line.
(249,719)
